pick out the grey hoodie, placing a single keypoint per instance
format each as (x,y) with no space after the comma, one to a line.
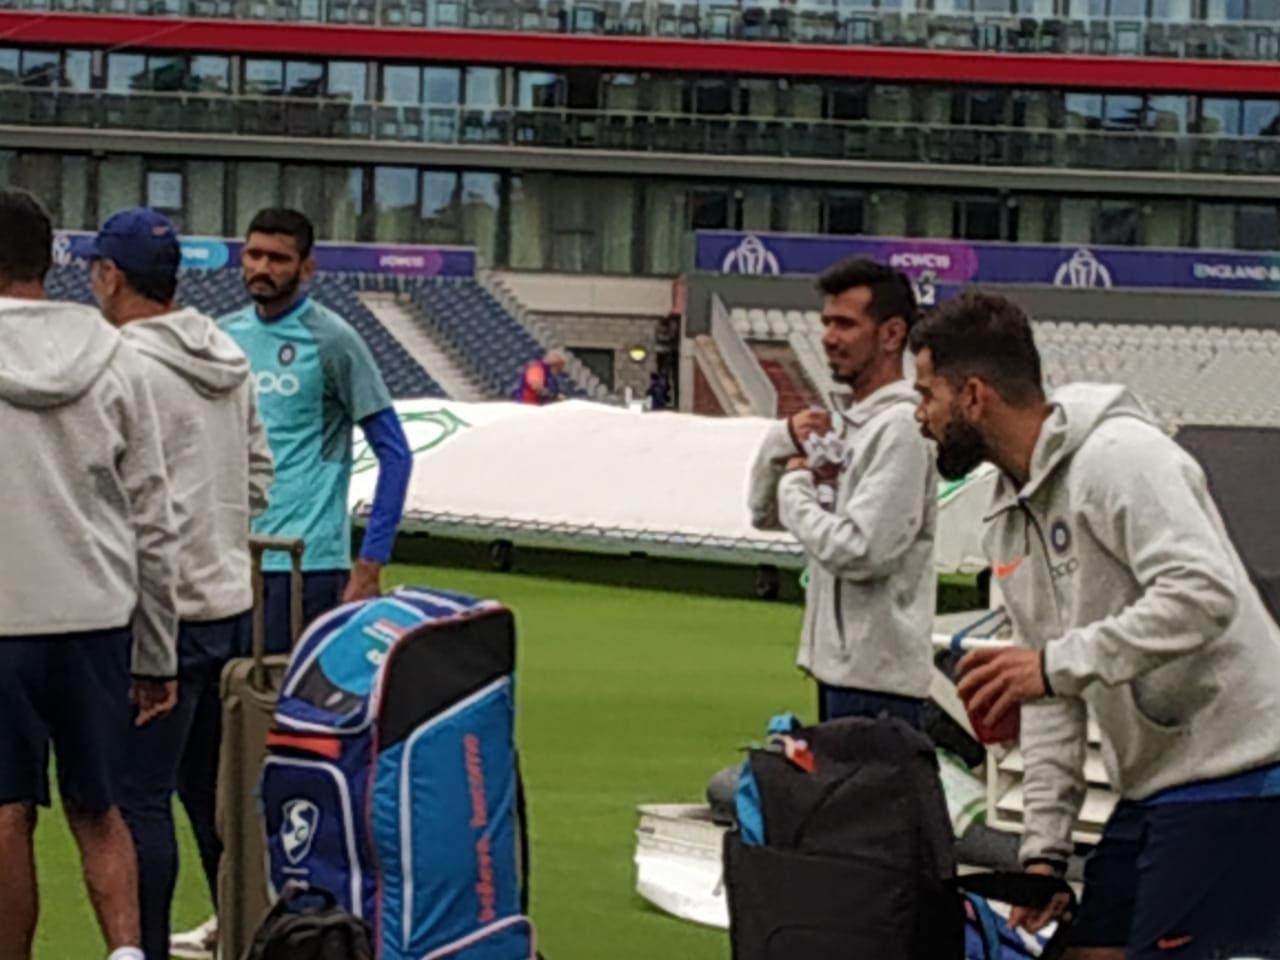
(869,608)
(216,452)
(88,528)
(1114,560)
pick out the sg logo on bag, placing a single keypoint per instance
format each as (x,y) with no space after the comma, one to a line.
(285,384)
(300,820)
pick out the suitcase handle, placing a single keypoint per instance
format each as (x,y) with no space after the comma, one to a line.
(258,545)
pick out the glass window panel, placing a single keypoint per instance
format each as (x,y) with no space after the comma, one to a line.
(988,108)
(530,218)
(800,210)
(10,65)
(439,196)
(303,78)
(39,68)
(1177,10)
(210,74)
(537,90)
(621,91)
(1257,227)
(1219,115)
(481,210)
(1076,224)
(1122,112)
(845,213)
(1261,118)
(848,101)
(1167,114)
(77,70)
(484,87)
(257,186)
(1119,222)
(1130,9)
(1226,10)
(1084,111)
(1263,11)
(164,190)
(1216,226)
(395,197)
(402,85)
(263,78)
(206,186)
(127,71)
(41,174)
(666,227)
(442,85)
(713,97)
(710,209)
(119,184)
(168,74)
(76,214)
(582,89)
(348,80)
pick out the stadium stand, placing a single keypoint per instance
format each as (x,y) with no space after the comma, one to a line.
(481,332)
(218,292)
(1208,375)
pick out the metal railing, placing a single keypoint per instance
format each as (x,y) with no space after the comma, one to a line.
(634,131)
(802,21)
(760,391)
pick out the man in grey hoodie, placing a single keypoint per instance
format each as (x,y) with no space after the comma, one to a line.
(89,546)
(220,470)
(872,587)
(1129,601)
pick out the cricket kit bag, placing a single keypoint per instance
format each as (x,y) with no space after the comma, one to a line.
(844,850)
(392,781)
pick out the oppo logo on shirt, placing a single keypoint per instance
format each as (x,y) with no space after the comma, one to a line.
(285,384)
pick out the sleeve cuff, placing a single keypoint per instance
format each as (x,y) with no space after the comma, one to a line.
(1055,664)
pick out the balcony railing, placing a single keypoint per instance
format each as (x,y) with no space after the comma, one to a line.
(798,21)
(635,132)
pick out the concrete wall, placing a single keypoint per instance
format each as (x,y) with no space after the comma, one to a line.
(616,333)
(589,295)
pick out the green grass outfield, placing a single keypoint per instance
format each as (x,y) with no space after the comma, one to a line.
(625,696)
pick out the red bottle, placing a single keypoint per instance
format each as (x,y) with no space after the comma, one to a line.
(1006,731)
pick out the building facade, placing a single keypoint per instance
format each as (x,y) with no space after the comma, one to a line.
(597,137)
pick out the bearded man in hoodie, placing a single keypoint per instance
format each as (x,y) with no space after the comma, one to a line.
(1129,600)
(220,470)
(872,587)
(89,548)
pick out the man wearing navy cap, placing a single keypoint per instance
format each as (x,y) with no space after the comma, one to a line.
(220,470)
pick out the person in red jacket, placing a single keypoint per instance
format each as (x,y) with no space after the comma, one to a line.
(540,380)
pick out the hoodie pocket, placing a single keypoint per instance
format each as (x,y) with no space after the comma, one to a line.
(1139,743)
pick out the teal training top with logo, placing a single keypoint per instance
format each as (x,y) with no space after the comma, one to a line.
(316,380)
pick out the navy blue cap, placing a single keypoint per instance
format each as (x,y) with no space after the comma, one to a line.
(138,240)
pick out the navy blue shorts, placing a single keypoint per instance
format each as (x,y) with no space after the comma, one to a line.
(72,691)
(836,702)
(321,591)
(1185,881)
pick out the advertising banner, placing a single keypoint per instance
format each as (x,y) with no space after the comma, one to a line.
(939,264)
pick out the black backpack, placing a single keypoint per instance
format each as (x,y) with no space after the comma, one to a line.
(307,924)
(844,849)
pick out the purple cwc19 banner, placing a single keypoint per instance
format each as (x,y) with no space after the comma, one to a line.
(936,265)
(202,253)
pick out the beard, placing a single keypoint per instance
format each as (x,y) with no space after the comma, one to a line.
(269,293)
(960,450)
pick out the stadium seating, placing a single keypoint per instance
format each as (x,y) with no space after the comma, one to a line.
(218,292)
(1202,375)
(479,331)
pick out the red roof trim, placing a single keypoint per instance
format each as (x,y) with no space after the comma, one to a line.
(640,53)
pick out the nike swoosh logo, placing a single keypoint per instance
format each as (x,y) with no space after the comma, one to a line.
(1172,943)
(1002,570)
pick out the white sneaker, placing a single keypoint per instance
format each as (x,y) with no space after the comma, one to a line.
(197,944)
